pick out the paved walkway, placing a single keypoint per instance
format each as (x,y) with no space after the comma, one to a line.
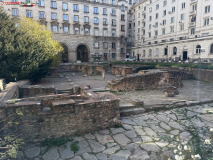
(138,139)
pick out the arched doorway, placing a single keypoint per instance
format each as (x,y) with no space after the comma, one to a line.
(82,53)
(64,53)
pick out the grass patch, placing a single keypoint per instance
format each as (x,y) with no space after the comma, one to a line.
(119,126)
(54,142)
(74,147)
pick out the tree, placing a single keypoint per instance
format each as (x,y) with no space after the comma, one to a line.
(23,53)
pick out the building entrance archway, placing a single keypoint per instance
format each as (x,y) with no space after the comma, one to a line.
(64,53)
(82,53)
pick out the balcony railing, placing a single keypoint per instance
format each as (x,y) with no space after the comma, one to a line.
(192,13)
(193,1)
(192,24)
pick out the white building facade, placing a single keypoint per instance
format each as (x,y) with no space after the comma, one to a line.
(89,30)
(168,30)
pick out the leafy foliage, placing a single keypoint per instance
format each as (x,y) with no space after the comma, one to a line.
(54,142)
(74,147)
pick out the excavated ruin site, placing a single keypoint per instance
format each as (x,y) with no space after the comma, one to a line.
(90,100)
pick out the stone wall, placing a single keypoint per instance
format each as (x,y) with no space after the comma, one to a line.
(35,90)
(151,80)
(2,84)
(90,70)
(121,70)
(59,117)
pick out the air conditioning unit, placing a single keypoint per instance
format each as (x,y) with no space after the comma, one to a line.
(180,21)
(211,18)
(170,12)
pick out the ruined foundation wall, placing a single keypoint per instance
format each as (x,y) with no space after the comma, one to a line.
(121,70)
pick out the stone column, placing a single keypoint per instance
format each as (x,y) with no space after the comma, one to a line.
(103,74)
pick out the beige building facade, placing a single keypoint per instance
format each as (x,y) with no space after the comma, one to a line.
(89,30)
(172,30)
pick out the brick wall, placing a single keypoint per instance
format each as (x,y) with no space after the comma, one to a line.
(121,70)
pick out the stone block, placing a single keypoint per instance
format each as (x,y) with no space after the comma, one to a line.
(171,89)
(138,103)
(169,94)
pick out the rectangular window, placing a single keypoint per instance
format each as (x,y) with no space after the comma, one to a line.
(95,10)
(65,29)
(172,19)
(156,15)
(76,30)
(86,19)
(192,31)
(15,12)
(29,13)
(156,24)
(164,22)
(113,2)
(183,5)
(157,6)
(53,4)
(86,31)
(114,23)
(164,3)
(113,33)
(122,27)
(122,50)
(173,0)
(194,7)
(53,15)
(105,45)
(41,14)
(206,21)
(75,6)
(150,26)
(76,18)
(104,1)
(149,34)
(182,16)
(96,32)
(173,9)
(54,28)
(207,9)
(96,44)
(138,23)
(150,18)
(113,12)
(65,6)
(41,3)
(172,29)
(122,17)
(182,27)
(86,9)
(113,45)
(163,31)
(104,21)
(113,55)
(105,32)
(156,33)
(104,11)
(96,20)
(65,17)
(164,12)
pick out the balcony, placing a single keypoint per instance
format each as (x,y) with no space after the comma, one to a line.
(142,36)
(192,13)
(193,1)
(144,12)
(192,24)
(142,28)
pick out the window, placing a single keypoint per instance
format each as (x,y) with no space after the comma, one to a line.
(113,33)
(198,49)
(95,10)
(86,9)
(54,28)
(150,18)
(86,31)
(207,9)
(157,6)
(165,51)
(144,8)
(104,1)
(76,30)
(113,55)
(174,51)
(15,12)
(122,7)
(65,6)
(150,9)
(105,45)
(104,11)
(164,3)
(173,0)
(156,33)
(156,24)
(113,45)
(157,52)
(173,9)
(150,26)
(149,34)
(164,12)
(96,32)
(53,4)
(206,21)
(172,19)
(29,13)
(138,30)
(122,50)
(113,2)
(211,48)
(65,17)
(75,7)
(65,29)
(41,14)
(104,21)
(150,52)
(192,31)
(182,16)
(41,3)
(86,19)
(138,23)
(164,22)
(163,31)
(76,18)
(172,29)
(122,17)
(138,15)
(122,27)
(105,32)
(113,12)
(194,7)
(183,5)
(182,27)
(144,53)
(114,23)
(28,1)
(156,15)
(96,44)
(138,37)
(96,20)
(53,15)
(150,1)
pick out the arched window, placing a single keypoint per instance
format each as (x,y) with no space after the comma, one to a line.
(198,49)
(175,51)
(144,53)
(211,48)
(157,52)
(150,52)
(165,51)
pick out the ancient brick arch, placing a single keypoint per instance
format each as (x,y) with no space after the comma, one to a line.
(83,52)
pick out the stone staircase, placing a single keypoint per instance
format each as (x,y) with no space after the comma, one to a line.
(128,109)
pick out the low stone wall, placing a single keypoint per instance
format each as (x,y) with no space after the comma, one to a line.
(59,117)
(151,80)
(121,70)
(2,84)
(90,70)
(35,90)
